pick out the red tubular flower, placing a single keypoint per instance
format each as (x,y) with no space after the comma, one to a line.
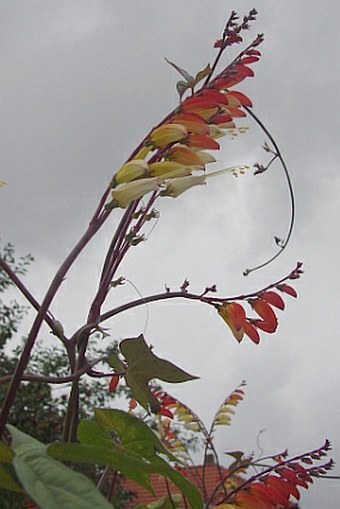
(114,383)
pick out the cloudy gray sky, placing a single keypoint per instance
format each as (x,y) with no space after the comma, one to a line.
(82,83)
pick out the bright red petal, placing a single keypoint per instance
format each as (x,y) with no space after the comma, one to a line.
(274,299)
(166,412)
(241,99)
(265,326)
(287,289)
(113,383)
(251,332)
(202,141)
(264,310)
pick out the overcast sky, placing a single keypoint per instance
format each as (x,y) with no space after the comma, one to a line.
(82,83)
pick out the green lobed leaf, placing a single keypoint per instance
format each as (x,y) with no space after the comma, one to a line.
(115,362)
(143,366)
(49,483)
(90,433)
(136,437)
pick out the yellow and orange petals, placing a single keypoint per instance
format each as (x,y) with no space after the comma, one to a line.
(127,192)
(192,122)
(168,133)
(235,317)
(216,131)
(178,186)
(235,112)
(130,171)
(184,155)
(170,169)
(202,141)
(235,98)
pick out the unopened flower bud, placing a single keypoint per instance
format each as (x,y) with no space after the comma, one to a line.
(177,186)
(168,133)
(127,192)
(131,171)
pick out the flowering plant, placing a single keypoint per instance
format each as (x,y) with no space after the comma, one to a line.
(173,158)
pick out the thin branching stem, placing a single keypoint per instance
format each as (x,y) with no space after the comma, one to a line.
(290,190)
(51,292)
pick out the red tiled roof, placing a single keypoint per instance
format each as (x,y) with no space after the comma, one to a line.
(162,486)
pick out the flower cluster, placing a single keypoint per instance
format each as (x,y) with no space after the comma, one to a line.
(262,304)
(173,157)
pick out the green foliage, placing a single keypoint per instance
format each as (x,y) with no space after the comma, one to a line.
(136,438)
(142,366)
(50,483)
(12,314)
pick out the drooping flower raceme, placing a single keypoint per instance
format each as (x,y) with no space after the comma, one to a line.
(174,156)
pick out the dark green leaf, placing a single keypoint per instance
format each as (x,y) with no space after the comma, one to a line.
(136,437)
(143,366)
(90,433)
(6,454)
(115,363)
(7,479)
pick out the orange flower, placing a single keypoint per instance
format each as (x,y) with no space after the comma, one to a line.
(184,155)
(192,122)
(235,316)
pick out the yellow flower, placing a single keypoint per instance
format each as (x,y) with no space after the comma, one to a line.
(205,157)
(170,169)
(127,192)
(131,171)
(177,186)
(143,152)
(168,133)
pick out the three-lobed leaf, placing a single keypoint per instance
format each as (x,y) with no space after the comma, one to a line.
(135,437)
(143,365)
